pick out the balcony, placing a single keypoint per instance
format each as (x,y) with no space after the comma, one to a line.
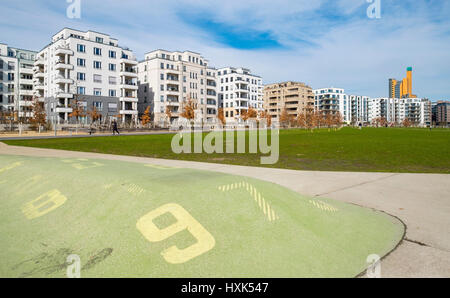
(63,65)
(39,75)
(26,81)
(63,94)
(63,110)
(63,51)
(25,103)
(26,114)
(129,86)
(39,87)
(128,112)
(27,70)
(128,61)
(39,62)
(63,80)
(26,92)
(129,73)
(128,99)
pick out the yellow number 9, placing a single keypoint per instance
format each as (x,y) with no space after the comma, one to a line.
(173,255)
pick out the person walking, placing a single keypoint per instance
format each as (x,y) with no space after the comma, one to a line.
(114,125)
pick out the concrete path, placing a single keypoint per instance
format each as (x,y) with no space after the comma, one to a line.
(421,201)
(66,135)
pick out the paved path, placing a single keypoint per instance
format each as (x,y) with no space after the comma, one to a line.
(421,201)
(66,135)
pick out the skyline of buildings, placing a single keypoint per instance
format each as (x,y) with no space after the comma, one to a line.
(90,68)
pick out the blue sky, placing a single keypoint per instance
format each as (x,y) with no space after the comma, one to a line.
(323,43)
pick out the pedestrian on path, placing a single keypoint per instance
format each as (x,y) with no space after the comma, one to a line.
(114,125)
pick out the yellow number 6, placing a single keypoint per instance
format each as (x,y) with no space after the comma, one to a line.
(173,255)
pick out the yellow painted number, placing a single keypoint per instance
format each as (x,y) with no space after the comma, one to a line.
(45,203)
(173,255)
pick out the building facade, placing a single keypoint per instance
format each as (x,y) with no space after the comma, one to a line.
(403,88)
(333,101)
(396,110)
(238,90)
(16,81)
(297,98)
(88,69)
(441,113)
(359,109)
(167,80)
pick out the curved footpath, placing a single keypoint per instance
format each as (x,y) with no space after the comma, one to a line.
(421,201)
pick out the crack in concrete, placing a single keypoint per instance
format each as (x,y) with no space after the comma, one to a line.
(355,185)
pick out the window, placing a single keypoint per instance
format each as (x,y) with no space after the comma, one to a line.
(112,93)
(162,65)
(81,90)
(81,48)
(97,78)
(99,39)
(81,62)
(97,92)
(162,87)
(97,51)
(97,65)
(112,54)
(162,98)
(162,76)
(112,80)
(112,67)
(81,76)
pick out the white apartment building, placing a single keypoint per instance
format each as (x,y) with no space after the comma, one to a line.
(16,81)
(360,109)
(395,110)
(88,68)
(239,89)
(333,100)
(167,80)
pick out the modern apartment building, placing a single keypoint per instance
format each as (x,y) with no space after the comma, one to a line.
(16,81)
(395,110)
(441,113)
(167,80)
(359,109)
(333,101)
(403,88)
(297,98)
(238,90)
(89,69)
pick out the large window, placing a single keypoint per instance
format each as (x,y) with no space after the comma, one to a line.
(81,76)
(112,54)
(97,65)
(81,90)
(97,78)
(81,62)
(81,48)
(97,92)
(97,51)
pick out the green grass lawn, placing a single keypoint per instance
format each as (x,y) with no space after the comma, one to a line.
(135,220)
(410,150)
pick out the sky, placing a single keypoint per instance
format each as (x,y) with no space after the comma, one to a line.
(323,43)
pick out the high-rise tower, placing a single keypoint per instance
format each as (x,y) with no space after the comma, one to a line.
(402,88)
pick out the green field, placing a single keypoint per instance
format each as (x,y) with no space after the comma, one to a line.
(410,150)
(135,220)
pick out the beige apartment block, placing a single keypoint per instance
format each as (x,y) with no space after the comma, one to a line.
(167,80)
(295,97)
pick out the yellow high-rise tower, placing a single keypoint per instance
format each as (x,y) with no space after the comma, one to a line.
(409,81)
(403,88)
